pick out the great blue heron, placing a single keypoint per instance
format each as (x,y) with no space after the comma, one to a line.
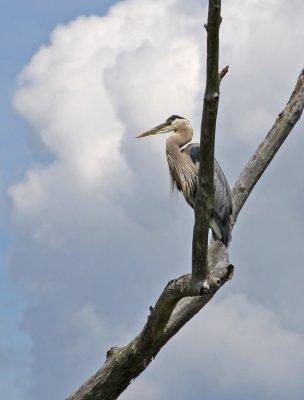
(184,165)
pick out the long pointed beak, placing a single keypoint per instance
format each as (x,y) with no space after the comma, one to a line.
(162,128)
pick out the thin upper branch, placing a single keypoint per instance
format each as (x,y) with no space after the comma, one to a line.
(205,192)
(223,72)
(269,147)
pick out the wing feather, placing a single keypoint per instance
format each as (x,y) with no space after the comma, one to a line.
(222,193)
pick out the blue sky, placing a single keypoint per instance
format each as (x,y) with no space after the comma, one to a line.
(25,26)
(89,232)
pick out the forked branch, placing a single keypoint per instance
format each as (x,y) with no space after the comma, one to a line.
(178,303)
(181,299)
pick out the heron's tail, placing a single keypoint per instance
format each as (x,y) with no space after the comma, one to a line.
(220,230)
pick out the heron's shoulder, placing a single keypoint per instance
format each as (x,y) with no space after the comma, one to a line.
(193,150)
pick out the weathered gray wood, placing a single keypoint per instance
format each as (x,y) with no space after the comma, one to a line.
(205,192)
(269,147)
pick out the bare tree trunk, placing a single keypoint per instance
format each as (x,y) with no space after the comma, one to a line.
(205,192)
(183,297)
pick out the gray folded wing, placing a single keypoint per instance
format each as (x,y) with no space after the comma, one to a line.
(222,195)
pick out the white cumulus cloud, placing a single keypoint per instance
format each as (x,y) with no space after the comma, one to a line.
(96,236)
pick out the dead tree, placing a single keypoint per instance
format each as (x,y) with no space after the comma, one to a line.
(185,296)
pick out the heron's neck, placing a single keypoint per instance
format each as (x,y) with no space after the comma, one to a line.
(178,140)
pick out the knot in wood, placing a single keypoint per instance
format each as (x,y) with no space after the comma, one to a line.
(111,352)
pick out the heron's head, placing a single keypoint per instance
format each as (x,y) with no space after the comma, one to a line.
(175,123)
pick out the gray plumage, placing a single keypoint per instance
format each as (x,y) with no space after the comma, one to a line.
(183,164)
(222,207)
